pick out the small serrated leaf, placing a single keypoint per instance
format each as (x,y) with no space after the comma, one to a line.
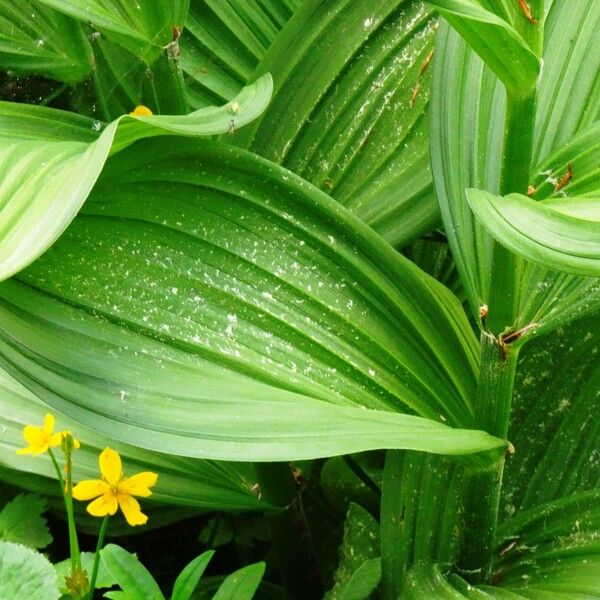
(21,521)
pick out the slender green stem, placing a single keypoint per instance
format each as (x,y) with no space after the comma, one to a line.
(94,576)
(67,493)
(291,538)
(483,478)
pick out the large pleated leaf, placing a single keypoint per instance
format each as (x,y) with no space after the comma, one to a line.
(223,42)
(144,27)
(496,41)
(248,313)
(51,159)
(188,482)
(351,117)
(38,39)
(467,129)
(560,234)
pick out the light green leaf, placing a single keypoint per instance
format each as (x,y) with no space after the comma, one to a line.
(560,234)
(467,128)
(188,579)
(144,27)
(26,574)
(21,521)
(129,573)
(40,40)
(355,125)
(359,569)
(194,483)
(51,160)
(503,50)
(242,584)
(273,319)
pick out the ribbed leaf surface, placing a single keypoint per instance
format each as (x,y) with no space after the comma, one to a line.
(51,159)
(196,483)
(351,117)
(468,106)
(221,287)
(39,39)
(560,234)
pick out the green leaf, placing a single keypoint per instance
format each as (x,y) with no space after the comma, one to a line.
(130,574)
(358,125)
(39,40)
(273,319)
(560,234)
(502,49)
(21,521)
(242,584)
(188,579)
(143,27)
(467,128)
(52,160)
(195,483)
(359,569)
(26,574)
(224,41)
(105,578)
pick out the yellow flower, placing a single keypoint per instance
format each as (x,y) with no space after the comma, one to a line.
(40,438)
(141,111)
(114,490)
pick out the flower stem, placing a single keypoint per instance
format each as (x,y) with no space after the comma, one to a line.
(101,535)
(68,499)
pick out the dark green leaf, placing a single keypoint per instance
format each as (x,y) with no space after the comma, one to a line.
(130,574)
(188,579)
(242,584)
(21,521)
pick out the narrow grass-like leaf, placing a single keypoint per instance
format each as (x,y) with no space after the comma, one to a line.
(358,125)
(51,159)
(40,40)
(188,579)
(560,234)
(266,313)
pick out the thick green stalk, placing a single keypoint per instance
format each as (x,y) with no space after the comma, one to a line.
(291,540)
(483,478)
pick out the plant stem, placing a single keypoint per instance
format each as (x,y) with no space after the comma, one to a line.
(94,576)
(483,478)
(68,499)
(291,538)
(516,164)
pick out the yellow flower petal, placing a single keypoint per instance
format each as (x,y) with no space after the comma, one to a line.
(110,466)
(48,427)
(90,488)
(55,439)
(34,436)
(141,111)
(139,484)
(131,509)
(105,505)
(24,451)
